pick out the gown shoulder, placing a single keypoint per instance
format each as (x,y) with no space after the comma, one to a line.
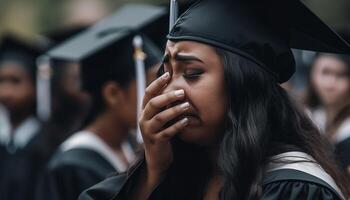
(284,183)
(71,172)
(290,184)
(105,190)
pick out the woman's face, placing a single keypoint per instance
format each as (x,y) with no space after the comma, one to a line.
(330,79)
(17,91)
(196,68)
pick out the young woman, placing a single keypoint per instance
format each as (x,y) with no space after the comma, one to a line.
(103,146)
(17,91)
(18,143)
(218,125)
(113,59)
(328,99)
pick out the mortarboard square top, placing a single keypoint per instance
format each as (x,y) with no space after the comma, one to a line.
(105,51)
(128,20)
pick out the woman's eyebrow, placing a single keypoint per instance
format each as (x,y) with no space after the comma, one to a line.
(181,58)
(186,58)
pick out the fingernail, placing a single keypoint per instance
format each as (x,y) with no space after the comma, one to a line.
(166,75)
(184,121)
(185,106)
(179,93)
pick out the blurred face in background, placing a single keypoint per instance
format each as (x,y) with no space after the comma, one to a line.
(70,82)
(330,77)
(127,104)
(17,90)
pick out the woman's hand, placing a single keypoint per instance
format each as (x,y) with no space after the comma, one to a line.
(155,117)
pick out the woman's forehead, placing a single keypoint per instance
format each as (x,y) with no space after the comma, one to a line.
(174,48)
(330,62)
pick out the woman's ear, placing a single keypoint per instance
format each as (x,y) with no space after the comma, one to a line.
(112,94)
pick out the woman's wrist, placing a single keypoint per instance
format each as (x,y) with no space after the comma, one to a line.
(154,178)
(147,183)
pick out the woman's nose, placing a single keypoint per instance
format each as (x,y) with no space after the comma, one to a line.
(176,83)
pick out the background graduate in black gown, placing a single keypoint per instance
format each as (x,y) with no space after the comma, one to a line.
(19,169)
(65,105)
(106,55)
(218,125)
(328,100)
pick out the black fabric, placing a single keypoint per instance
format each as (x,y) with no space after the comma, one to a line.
(342,151)
(20,171)
(71,172)
(292,184)
(281,184)
(260,30)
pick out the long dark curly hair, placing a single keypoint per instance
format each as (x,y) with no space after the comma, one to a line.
(261,121)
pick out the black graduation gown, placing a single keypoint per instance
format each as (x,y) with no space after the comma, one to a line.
(71,172)
(20,171)
(286,184)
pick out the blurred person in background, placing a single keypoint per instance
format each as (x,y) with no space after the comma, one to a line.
(17,91)
(103,146)
(328,100)
(69,103)
(18,172)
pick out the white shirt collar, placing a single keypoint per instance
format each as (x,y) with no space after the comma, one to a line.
(318,116)
(21,135)
(89,140)
(343,132)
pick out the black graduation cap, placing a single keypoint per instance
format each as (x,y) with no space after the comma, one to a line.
(24,52)
(106,50)
(260,30)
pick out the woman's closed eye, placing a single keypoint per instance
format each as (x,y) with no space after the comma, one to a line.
(193,73)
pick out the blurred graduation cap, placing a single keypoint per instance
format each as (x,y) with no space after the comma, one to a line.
(263,31)
(109,49)
(46,70)
(21,51)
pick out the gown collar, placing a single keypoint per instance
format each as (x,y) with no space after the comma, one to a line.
(303,162)
(18,138)
(89,140)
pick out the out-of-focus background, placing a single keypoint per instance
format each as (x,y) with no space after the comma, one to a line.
(29,17)
(33,16)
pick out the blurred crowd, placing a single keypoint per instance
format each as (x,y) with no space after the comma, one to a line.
(48,105)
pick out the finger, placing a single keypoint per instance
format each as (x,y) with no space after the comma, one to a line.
(172,130)
(155,87)
(156,104)
(164,117)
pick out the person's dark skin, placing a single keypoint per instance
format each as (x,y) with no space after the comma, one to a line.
(17,92)
(119,115)
(193,92)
